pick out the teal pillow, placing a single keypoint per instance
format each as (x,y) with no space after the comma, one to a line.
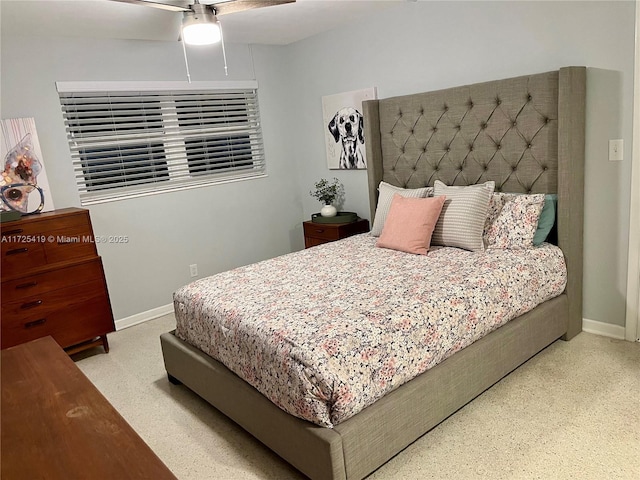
(547,219)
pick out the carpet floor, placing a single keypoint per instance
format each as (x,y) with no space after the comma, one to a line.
(571,412)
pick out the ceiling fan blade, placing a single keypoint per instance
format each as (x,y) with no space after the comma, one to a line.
(238,5)
(179,6)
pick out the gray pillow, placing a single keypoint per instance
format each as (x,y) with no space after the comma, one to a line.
(385,195)
(463,215)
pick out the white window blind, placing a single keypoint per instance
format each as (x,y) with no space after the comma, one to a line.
(128,142)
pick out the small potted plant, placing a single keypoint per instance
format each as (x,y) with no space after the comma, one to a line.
(327,192)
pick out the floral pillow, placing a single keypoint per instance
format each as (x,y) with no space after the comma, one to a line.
(516,224)
(495,207)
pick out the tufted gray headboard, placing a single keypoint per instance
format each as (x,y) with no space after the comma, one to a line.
(525,133)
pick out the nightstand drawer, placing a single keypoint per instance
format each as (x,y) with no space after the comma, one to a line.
(319,233)
(319,230)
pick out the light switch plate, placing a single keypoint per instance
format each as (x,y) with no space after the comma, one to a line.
(616,150)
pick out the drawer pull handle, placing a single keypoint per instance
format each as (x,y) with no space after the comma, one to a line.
(13,232)
(33,304)
(319,230)
(16,251)
(26,285)
(35,323)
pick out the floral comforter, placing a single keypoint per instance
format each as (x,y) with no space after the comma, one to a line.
(325,332)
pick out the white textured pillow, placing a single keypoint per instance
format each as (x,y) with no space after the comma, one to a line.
(463,215)
(385,195)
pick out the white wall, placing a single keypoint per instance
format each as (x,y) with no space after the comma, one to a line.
(431,45)
(217,227)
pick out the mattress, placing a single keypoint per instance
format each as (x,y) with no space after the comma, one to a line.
(325,332)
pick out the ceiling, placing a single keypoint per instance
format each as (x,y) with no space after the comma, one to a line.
(275,25)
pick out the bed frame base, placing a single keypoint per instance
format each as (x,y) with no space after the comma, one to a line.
(361,444)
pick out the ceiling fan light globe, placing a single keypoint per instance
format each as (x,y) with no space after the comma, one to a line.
(201,33)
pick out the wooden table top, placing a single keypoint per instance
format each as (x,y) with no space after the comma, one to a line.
(57,425)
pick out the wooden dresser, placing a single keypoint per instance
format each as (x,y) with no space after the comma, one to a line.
(55,423)
(53,282)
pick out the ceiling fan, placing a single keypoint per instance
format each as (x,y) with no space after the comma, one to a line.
(199,23)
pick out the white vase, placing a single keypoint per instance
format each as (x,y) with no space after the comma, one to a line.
(328,211)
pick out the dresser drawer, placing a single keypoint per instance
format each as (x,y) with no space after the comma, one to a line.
(36,242)
(34,229)
(66,313)
(20,257)
(34,306)
(43,224)
(40,284)
(72,242)
(68,326)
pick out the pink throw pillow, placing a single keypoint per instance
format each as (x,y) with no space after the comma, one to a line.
(410,223)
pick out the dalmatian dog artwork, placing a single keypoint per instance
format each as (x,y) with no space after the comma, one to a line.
(347,130)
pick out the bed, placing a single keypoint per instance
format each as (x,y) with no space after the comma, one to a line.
(527,136)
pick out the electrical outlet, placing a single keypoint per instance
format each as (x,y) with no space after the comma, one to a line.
(193,269)
(616,150)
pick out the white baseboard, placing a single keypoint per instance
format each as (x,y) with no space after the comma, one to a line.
(144,316)
(604,329)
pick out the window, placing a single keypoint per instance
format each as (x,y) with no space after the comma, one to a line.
(130,138)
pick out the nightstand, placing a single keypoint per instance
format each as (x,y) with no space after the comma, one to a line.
(319,233)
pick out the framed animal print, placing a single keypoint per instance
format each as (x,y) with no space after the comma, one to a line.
(344,129)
